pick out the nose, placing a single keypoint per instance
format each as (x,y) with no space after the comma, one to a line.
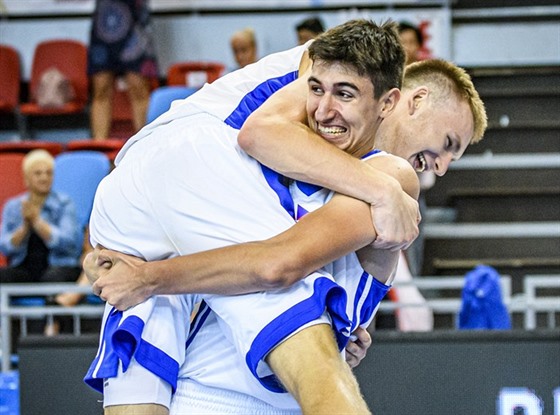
(442,164)
(324,108)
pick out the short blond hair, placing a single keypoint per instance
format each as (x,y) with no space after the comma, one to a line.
(33,157)
(247,33)
(444,78)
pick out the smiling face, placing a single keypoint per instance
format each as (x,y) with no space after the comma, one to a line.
(342,109)
(426,133)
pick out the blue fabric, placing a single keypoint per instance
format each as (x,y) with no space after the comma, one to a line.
(107,358)
(482,304)
(256,97)
(326,294)
(123,341)
(65,245)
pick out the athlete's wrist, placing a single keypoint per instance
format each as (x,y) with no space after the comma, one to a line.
(148,274)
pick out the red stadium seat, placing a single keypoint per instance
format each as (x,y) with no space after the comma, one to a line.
(10,79)
(109,146)
(194,74)
(70,58)
(24,147)
(11,176)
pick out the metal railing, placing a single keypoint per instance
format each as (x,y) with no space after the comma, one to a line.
(435,284)
(536,303)
(529,303)
(9,310)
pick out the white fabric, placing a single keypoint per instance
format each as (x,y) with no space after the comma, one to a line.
(193,398)
(228,96)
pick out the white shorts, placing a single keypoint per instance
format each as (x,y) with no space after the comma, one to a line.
(193,398)
(230,340)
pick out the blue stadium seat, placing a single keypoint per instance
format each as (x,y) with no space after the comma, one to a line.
(162,97)
(77,174)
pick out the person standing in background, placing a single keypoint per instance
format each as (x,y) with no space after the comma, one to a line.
(309,29)
(120,45)
(244,47)
(412,40)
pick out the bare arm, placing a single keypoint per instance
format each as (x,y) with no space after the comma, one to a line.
(342,226)
(277,135)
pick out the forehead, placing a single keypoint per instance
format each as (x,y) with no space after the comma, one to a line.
(340,73)
(39,165)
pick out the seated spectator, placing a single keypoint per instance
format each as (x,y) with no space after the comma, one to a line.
(40,235)
(309,29)
(244,47)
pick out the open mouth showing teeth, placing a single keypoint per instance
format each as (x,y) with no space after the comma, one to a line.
(421,163)
(331,130)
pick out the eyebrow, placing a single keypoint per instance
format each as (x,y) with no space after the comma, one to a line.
(338,84)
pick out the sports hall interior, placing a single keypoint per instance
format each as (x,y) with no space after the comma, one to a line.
(498,206)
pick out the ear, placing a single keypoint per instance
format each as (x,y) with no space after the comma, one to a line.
(417,97)
(389,100)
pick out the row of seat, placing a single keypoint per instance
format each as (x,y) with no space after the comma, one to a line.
(70,58)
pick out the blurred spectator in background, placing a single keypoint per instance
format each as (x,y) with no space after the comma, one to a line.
(412,40)
(309,29)
(244,47)
(40,235)
(419,317)
(120,45)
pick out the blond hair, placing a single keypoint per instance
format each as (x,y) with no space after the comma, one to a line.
(33,157)
(247,33)
(446,78)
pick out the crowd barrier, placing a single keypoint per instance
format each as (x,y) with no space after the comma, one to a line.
(529,303)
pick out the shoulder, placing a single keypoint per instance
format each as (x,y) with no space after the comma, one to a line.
(16,200)
(399,168)
(59,199)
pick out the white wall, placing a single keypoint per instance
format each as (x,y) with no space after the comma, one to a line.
(502,44)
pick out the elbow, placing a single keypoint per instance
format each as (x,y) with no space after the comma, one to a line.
(248,136)
(278,274)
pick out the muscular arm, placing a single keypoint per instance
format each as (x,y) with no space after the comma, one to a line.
(342,226)
(277,135)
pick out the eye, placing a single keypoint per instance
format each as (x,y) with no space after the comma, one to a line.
(448,143)
(316,89)
(345,95)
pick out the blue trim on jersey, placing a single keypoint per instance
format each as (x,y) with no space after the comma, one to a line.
(123,341)
(370,153)
(308,188)
(198,321)
(377,291)
(275,181)
(256,97)
(110,362)
(158,362)
(326,294)
(301,212)
(357,298)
